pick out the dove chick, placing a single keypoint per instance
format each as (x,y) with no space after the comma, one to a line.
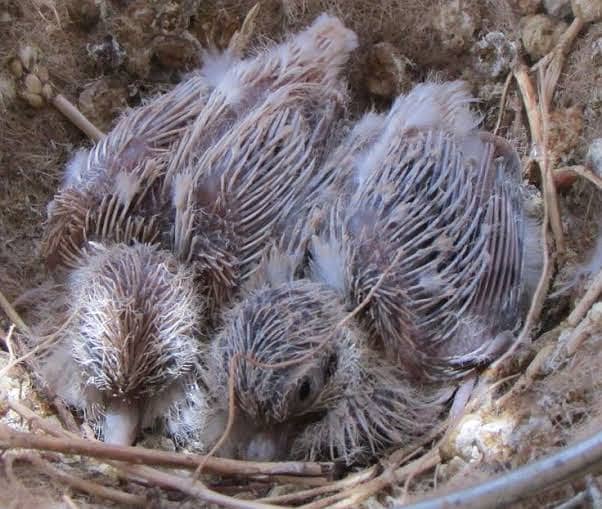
(128,353)
(306,387)
(426,235)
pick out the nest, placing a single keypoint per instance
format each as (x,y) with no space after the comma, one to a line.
(526,430)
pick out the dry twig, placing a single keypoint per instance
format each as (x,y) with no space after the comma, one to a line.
(82,484)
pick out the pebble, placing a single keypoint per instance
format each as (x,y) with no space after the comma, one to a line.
(557,8)
(495,54)
(588,10)
(539,34)
(594,156)
(454,25)
(386,70)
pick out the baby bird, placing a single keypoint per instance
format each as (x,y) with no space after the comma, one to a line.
(151,247)
(129,350)
(429,238)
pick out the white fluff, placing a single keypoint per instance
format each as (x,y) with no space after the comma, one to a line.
(328,264)
(75,168)
(216,65)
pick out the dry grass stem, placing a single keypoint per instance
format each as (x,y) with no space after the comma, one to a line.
(503,99)
(12,315)
(587,301)
(348,482)
(62,104)
(239,42)
(584,172)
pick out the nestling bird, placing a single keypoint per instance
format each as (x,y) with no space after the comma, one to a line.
(155,232)
(429,237)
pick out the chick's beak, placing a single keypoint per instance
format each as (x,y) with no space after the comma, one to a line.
(122,419)
(262,447)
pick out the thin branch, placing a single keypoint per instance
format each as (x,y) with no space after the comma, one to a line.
(348,482)
(12,315)
(351,498)
(584,172)
(587,301)
(190,487)
(84,485)
(502,107)
(72,444)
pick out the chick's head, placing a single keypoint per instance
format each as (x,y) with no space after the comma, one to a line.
(288,362)
(132,334)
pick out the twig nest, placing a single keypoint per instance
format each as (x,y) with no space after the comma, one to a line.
(526,7)
(85,13)
(594,156)
(176,52)
(587,10)
(102,100)
(557,8)
(539,34)
(454,25)
(566,126)
(107,55)
(386,71)
(494,54)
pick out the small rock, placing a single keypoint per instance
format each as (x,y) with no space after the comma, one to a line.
(34,100)
(539,34)
(452,468)
(587,10)
(171,18)
(5,17)
(47,92)
(594,156)
(176,52)
(138,61)
(101,101)
(386,70)
(495,54)
(557,8)
(29,56)
(525,7)
(85,13)
(454,25)
(16,67)
(159,442)
(33,84)
(107,55)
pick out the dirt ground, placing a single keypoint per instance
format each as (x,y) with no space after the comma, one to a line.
(108,55)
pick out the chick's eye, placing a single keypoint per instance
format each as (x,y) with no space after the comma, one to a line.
(304,390)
